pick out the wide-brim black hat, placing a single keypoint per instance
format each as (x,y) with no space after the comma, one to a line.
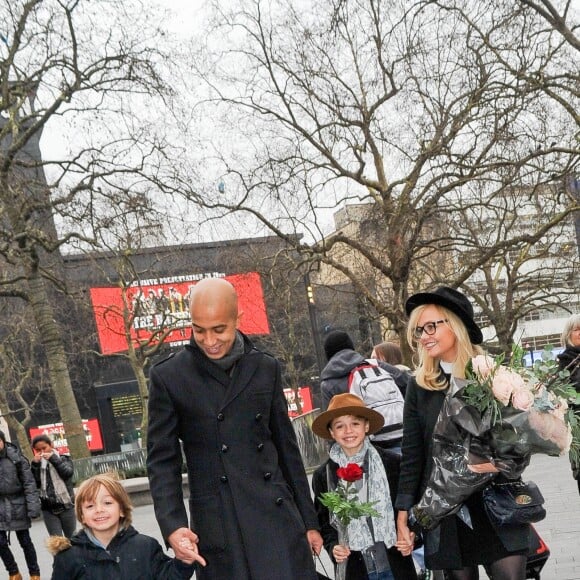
(346,404)
(453,300)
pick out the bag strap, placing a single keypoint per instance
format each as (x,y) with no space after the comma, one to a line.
(318,560)
(361,369)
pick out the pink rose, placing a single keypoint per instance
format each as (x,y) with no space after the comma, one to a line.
(502,385)
(551,428)
(482,365)
(522,399)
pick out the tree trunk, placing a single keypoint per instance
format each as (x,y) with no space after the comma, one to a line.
(57,367)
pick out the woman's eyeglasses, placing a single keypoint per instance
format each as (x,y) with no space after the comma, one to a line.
(430,328)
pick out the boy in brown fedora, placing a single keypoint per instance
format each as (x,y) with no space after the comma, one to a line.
(372,551)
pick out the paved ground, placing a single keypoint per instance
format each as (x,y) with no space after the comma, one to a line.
(560,530)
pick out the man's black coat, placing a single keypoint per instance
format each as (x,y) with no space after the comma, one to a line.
(249,498)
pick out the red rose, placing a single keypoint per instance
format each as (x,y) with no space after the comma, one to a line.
(352,472)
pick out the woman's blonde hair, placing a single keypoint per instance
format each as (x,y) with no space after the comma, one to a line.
(88,490)
(572,323)
(428,374)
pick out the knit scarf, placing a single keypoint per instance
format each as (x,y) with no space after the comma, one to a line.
(47,470)
(374,487)
(235,354)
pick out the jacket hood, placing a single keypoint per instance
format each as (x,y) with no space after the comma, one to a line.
(341,364)
(56,544)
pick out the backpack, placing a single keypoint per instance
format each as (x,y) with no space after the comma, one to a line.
(377,388)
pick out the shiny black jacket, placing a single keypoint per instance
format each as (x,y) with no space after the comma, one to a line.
(65,468)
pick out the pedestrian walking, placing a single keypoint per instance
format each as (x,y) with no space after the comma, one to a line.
(569,359)
(252,515)
(443,331)
(371,552)
(19,502)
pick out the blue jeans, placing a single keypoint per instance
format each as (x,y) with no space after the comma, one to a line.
(385,575)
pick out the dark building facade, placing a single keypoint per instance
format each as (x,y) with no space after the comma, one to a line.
(103,379)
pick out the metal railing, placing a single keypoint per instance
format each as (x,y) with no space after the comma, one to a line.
(314,451)
(123,463)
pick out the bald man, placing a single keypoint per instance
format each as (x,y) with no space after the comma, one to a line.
(252,516)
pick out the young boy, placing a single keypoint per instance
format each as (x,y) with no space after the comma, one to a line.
(372,551)
(108,547)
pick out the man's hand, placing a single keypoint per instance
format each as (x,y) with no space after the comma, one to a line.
(184,543)
(315,540)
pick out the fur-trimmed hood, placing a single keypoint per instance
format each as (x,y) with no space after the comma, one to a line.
(56,544)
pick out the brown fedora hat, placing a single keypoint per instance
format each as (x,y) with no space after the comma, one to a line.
(346,404)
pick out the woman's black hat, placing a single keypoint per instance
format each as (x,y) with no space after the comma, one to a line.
(453,300)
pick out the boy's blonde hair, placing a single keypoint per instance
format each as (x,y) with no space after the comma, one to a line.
(428,374)
(87,492)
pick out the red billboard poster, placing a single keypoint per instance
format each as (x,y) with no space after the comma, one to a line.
(56,432)
(157,310)
(304,400)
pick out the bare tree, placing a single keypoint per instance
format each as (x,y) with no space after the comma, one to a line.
(549,11)
(400,107)
(64,69)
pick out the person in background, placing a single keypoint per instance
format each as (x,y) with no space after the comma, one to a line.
(342,359)
(445,336)
(252,514)
(348,422)
(569,359)
(109,547)
(19,503)
(54,478)
(390,353)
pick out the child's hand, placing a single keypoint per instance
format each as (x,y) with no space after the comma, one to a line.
(340,553)
(184,543)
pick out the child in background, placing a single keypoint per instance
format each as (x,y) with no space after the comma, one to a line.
(54,478)
(108,547)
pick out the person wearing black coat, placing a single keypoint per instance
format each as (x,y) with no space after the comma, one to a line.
(19,503)
(251,511)
(109,547)
(53,474)
(443,331)
(569,359)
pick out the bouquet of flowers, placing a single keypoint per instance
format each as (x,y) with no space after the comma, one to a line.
(493,422)
(344,506)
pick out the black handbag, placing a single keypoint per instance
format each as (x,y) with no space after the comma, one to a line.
(513,502)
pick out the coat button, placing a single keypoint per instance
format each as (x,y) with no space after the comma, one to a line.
(258,416)
(279,500)
(260,447)
(224,448)
(267,475)
(224,478)
(220,417)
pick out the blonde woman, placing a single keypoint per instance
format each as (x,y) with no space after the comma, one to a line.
(444,335)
